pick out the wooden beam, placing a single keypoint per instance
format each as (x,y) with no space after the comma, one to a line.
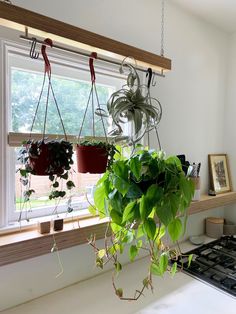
(43,26)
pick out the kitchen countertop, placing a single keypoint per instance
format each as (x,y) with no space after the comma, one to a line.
(181,294)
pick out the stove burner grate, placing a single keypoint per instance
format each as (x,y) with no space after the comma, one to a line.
(214,263)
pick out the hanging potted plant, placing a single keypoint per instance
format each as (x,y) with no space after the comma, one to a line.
(52,158)
(144,197)
(133,104)
(94,156)
(45,157)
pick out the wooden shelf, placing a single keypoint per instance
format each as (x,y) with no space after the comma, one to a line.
(17,18)
(208,202)
(27,244)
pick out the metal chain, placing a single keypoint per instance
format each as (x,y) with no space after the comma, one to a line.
(162,26)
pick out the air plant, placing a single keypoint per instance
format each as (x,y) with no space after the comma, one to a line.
(133,104)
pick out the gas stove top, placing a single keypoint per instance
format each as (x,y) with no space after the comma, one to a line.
(214,263)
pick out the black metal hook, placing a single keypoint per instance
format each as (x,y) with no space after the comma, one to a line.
(149,75)
(33,54)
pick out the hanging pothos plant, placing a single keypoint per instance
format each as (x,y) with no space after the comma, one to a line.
(52,158)
(133,104)
(145,196)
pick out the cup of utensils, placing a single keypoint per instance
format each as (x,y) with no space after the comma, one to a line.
(193,172)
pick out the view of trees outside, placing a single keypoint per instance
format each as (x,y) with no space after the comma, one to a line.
(72,96)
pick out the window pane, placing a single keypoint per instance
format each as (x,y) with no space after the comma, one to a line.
(71,86)
(40,204)
(71,95)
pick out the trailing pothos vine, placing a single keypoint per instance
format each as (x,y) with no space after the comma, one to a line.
(145,197)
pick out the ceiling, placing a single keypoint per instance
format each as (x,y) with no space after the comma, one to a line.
(221,13)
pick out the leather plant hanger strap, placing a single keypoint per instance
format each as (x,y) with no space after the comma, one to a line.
(47,72)
(92,71)
(48,42)
(93,93)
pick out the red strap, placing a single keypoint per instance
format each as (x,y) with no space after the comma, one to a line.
(92,72)
(48,42)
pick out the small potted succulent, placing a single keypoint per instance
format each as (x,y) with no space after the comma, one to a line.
(94,156)
(144,197)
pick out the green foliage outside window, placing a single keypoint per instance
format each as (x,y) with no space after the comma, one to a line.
(71,95)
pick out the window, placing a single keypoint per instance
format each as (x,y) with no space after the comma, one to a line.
(71,82)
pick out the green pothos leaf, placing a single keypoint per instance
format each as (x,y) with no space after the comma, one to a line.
(145,208)
(155,269)
(173,269)
(118,267)
(135,167)
(116,217)
(129,212)
(101,253)
(121,185)
(163,263)
(190,258)
(175,229)
(140,231)
(133,251)
(99,198)
(92,210)
(150,228)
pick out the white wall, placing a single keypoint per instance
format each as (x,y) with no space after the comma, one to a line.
(192,95)
(230,115)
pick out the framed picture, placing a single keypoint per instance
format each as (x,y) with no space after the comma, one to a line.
(219,173)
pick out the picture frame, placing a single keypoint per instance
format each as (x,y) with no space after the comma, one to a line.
(220,181)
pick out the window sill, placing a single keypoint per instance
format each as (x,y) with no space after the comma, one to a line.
(28,243)
(25,244)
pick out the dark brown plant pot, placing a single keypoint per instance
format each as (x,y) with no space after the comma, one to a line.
(41,164)
(91,159)
(58,224)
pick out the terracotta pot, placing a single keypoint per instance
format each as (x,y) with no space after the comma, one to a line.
(41,164)
(91,159)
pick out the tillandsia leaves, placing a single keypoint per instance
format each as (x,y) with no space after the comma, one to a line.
(133,104)
(144,196)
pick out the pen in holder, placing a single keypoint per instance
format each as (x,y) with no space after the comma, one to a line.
(197,194)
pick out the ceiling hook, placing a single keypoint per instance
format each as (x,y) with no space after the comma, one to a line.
(33,54)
